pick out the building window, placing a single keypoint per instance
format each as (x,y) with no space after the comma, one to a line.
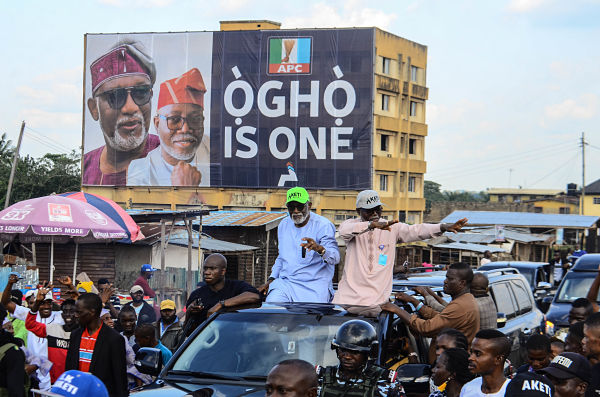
(413,109)
(402,143)
(538,210)
(383,183)
(596,200)
(412,146)
(386,65)
(414,73)
(412,183)
(385,140)
(385,102)
(564,210)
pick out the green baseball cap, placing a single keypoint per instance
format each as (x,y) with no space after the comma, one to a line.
(298,194)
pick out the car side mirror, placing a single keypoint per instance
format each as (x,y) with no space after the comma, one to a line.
(544,285)
(149,361)
(501,320)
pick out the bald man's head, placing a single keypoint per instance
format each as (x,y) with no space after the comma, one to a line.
(216,260)
(297,378)
(479,285)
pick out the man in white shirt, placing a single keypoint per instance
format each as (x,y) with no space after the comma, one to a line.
(489,351)
(35,345)
(183,157)
(559,267)
(487,258)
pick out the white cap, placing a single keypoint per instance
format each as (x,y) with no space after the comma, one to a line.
(368,199)
(30,293)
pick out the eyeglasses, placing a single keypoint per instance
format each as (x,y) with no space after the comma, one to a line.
(175,123)
(141,95)
(295,205)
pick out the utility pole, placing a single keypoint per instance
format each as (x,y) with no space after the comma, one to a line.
(583,143)
(14,165)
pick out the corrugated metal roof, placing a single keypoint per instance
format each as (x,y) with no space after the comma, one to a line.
(178,236)
(500,190)
(213,244)
(487,236)
(527,219)
(519,236)
(469,247)
(243,218)
(477,238)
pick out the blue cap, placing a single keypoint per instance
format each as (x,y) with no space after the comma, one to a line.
(148,268)
(77,383)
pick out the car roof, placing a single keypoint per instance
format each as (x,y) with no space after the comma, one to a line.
(436,279)
(326,309)
(515,264)
(587,262)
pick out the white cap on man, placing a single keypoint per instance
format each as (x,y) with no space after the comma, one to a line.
(368,199)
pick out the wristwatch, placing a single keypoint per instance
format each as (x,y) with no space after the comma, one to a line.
(222,303)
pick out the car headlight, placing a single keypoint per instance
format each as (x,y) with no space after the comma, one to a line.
(549,328)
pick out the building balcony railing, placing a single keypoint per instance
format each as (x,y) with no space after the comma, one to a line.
(420,92)
(388,84)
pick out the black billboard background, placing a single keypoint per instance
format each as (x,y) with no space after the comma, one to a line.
(352,50)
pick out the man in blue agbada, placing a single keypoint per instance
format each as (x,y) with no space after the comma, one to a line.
(307,257)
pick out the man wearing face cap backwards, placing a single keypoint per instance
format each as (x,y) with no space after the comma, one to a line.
(122,81)
(182,159)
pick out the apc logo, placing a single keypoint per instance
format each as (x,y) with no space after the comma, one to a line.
(290,55)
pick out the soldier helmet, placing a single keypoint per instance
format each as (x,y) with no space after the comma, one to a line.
(356,335)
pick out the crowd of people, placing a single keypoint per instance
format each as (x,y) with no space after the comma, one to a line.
(93,333)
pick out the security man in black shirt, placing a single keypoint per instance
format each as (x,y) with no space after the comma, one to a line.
(354,342)
(217,293)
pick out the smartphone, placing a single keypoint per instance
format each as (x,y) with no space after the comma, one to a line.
(303,252)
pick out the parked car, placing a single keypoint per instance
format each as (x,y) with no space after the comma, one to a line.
(534,273)
(518,316)
(232,352)
(575,284)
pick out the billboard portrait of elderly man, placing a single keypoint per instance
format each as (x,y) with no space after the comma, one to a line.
(122,81)
(183,157)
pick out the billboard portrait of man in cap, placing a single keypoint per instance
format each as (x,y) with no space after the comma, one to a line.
(183,157)
(122,81)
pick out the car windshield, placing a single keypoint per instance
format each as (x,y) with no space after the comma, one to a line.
(576,285)
(527,273)
(250,344)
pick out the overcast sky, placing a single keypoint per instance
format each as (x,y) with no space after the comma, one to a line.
(513,83)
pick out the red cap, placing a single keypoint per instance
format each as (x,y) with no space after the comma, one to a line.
(187,88)
(116,63)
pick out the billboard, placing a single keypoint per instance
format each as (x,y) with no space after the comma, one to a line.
(255,109)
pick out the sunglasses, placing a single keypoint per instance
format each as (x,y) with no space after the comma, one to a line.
(295,205)
(141,95)
(372,210)
(175,123)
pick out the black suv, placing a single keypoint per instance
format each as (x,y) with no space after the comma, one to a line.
(513,298)
(575,284)
(232,352)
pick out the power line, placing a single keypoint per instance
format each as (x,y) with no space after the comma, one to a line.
(48,138)
(504,157)
(484,167)
(475,171)
(555,169)
(50,145)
